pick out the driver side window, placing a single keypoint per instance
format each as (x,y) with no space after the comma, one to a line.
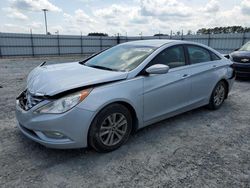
(173,57)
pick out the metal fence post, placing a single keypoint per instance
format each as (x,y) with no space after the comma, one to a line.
(81,44)
(32,43)
(243,38)
(0,50)
(208,39)
(58,44)
(118,38)
(101,43)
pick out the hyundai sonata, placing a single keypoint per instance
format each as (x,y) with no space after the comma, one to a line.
(99,101)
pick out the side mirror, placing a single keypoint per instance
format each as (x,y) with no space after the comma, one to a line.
(236,49)
(157,69)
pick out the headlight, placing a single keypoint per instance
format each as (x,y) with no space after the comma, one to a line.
(65,103)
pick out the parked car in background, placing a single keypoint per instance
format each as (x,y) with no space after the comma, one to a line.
(241,60)
(98,102)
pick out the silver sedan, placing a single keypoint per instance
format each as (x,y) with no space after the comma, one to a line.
(99,101)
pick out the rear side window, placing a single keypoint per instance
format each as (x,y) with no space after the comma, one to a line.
(198,54)
(173,57)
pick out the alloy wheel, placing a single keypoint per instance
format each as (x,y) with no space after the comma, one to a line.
(219,95)
(113,129)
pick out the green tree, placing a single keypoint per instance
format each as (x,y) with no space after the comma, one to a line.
(228,29)
(98,34)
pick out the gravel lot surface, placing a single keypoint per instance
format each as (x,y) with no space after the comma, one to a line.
(200,148)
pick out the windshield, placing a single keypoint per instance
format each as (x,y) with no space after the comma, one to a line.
(121,58)
(245,47)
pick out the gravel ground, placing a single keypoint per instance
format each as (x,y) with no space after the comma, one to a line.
(200,148)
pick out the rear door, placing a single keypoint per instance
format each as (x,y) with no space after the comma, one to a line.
(204,68)
(170,92)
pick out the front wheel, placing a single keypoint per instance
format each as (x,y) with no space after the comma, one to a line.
(218,96)
(110,128)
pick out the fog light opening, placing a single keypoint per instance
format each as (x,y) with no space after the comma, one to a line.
(54,135)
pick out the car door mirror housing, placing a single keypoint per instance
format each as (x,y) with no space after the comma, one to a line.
(157,69)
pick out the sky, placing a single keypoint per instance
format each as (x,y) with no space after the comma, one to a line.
(127,17)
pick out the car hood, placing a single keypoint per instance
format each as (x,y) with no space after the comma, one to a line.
(50,80)
(245,54)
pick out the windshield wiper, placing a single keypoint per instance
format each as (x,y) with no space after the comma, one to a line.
(102,67)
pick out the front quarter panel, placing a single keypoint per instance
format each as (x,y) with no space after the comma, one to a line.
(129,91)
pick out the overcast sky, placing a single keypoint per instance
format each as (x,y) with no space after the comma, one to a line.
(113,16)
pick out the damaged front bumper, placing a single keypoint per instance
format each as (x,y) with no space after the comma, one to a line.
(62,131)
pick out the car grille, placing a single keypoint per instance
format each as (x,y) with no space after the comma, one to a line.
(27,100)
(241,59)
(242,69)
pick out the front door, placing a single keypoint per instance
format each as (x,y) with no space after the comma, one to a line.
(169,92)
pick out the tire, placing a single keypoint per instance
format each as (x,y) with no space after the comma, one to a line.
(110,128)
(218,96)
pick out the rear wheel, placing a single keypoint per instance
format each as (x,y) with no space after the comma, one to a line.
(110,128)
(218,96)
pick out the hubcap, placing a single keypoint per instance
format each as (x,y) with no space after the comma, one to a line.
(219,95)
(113,129)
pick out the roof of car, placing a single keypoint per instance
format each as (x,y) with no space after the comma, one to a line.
(157,43)
(154,42)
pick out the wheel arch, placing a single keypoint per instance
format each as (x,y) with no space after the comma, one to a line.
(133,113)
(227,86)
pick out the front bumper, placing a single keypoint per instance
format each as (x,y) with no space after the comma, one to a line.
(242,69)
(73,125)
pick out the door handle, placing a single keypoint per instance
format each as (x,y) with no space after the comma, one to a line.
(214,66)
(185,75)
